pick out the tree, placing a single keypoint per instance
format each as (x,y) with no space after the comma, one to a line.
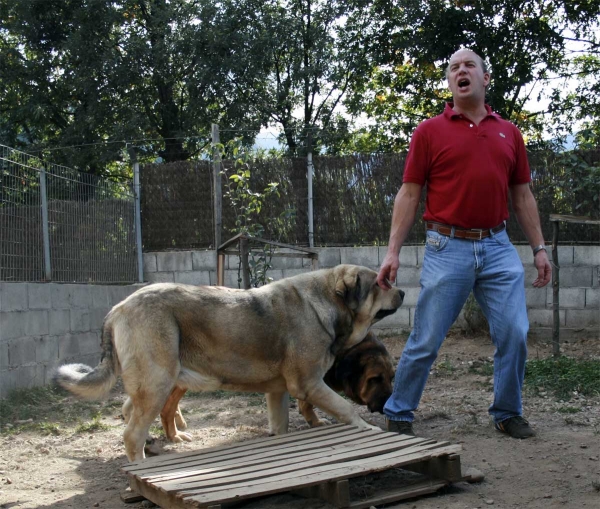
(523,41)
(314,51)
(90,74)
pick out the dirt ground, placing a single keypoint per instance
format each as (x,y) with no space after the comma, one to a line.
(77,465)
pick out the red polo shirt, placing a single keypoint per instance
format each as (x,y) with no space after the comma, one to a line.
(468,168)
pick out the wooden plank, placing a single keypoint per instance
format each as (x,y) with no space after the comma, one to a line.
(249,473)
(278,447)
(414,490)
(267,459)
(573,219)
(414,454)
(158,497)
(297,436)
(327,473)
(446,468)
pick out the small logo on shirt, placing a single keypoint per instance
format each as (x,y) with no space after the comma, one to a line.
(502,134)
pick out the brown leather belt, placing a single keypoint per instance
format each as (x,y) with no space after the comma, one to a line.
(463,233)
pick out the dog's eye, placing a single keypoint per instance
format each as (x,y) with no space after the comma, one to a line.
(375,379)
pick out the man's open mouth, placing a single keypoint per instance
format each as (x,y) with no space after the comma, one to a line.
(464,82)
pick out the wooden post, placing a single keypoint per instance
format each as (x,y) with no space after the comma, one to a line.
(555,291)
(220,269)
(245,266)
(218,195)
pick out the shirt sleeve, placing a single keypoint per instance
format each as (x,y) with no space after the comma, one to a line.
(416,167)
(521,173)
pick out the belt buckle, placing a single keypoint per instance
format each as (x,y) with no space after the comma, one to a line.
(478,230)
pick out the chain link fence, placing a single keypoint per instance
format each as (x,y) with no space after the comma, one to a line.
(57,224)
(353,201)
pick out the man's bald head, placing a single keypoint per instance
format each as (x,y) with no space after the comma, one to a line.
(475,56)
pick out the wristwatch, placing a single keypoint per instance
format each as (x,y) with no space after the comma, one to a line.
(539,248)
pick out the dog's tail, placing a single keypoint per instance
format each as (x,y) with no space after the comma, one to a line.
(92,383)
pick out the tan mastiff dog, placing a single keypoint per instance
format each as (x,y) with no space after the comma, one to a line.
(363,373)
(280,338)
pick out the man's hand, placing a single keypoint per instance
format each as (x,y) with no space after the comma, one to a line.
(388,271)
(542,264)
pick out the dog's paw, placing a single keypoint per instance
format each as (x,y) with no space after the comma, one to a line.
(181,437)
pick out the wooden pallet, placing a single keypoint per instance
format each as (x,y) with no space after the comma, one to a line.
(314,462)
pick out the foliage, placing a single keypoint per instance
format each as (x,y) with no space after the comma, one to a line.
(525,43)
(564,376)
(247,205)
(579,183)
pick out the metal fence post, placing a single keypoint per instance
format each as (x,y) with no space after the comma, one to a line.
(138,214)
(218,196)
(309,171)
(45,231)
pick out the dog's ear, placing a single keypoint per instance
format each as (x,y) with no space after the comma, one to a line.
(348,287)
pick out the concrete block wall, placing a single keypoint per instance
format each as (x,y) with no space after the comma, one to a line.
(43,325)
(579,280)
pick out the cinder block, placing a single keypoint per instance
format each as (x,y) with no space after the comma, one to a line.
(161,277)
(81,296)
(30,376)
(3,356)
(287,262)
(328,257)
(411,295)
(46,349)
(176,261)
(592,298)
(231,279)
(68,347)
(401,318)
(232,262)
(118,293)
(568,298)
(530,275)
(21,352)
(537,297)
(408,255)
(49,371)
(294,272)
(37,323)
(366,256)
(97,317)
(575,276)
(193,278)
(149,260)
(80,320)
(276,275)
(408,276)
(89,343)
(544,317)
(59,321)
(39,296)
(8,382)
(204,260)
(13,296)
(582,318)
(61,296)
(100,296)
(12,325)
(412,316)
(586,255)
(420,255)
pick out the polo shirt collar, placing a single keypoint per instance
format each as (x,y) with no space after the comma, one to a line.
(450,113)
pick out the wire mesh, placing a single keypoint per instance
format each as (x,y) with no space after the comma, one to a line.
(90,223)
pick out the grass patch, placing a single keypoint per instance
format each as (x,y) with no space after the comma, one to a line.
(484,369)
(568,410)
(92,426)
(157,430)
(48,409)
(563,376)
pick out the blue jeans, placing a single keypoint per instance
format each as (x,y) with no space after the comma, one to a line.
(451,269)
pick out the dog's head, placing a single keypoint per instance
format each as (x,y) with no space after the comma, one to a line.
(364,373)
(358,288)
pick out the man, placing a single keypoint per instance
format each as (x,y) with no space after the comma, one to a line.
(471,160)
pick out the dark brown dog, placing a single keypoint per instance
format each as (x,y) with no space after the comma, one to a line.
(363,373)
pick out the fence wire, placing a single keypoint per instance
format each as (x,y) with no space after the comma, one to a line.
(57,224)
